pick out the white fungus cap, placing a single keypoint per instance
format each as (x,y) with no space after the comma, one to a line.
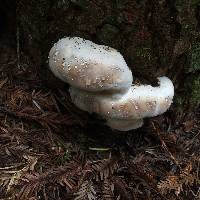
(101,83)
(89,66)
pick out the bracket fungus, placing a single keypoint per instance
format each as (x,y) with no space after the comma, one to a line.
(101,82)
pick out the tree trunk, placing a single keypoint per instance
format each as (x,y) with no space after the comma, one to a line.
(156,37)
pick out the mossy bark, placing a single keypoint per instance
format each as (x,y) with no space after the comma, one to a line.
(156,37)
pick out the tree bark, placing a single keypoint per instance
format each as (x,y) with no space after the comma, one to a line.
(156,37)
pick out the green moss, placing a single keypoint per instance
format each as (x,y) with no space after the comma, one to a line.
(189,97)
(80,3)
(62,159)
(186,16)
(192,90)
(195,91)
(144,53)
(195,58)
(61,4)
(145,56)
(107,33)
(183,3)
(179,101)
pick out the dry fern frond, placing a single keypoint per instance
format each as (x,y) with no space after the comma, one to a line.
(33,183)
(108,190)
(86,191)
(176,183)
(104,168)
(66,175)
(121,187)
(19,97)
(11,175)
(171,183)
(5,181)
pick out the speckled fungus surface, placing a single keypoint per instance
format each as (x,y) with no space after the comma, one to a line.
(101,82)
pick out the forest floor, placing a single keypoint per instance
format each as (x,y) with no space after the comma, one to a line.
(51,150)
